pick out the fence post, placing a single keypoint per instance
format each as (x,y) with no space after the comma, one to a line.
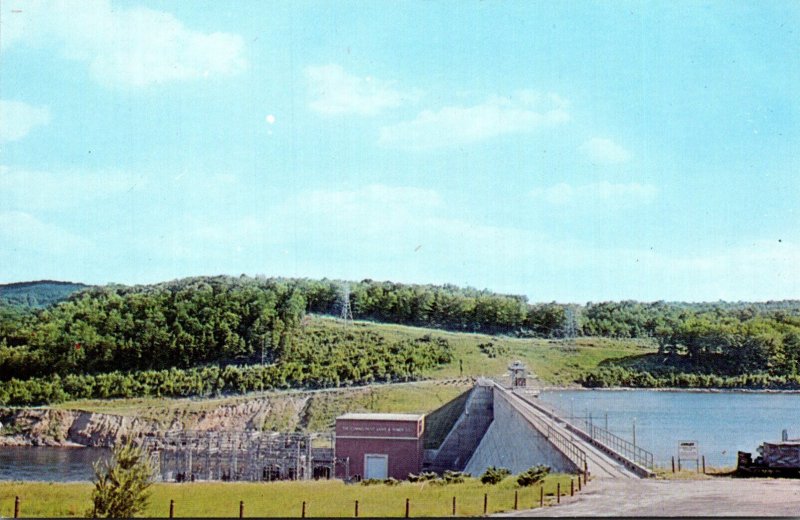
(704,464)
(16,507)
(673,463)
(572,487)
(541,495)
(516,500)
(303,511)
(558,492)
(679,463)
(356,509)
(172,508)
(485,503)
(454,506)
(241,508)
(407,507)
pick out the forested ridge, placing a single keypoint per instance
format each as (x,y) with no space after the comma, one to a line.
(193,337)
(160,338)
(36,295)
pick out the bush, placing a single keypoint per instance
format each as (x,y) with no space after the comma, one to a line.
(422,477)
(492,351)
(454,477)
(372,481)
(532,475)
(494,475)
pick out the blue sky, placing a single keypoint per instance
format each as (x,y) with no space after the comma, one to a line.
(568,151)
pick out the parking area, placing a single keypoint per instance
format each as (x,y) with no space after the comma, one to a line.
(692,498)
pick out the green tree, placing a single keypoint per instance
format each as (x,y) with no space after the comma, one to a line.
(121,484)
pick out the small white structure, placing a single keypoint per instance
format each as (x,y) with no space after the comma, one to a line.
(519,374)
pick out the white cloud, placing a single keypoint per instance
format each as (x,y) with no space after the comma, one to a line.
(17,119)
(134,47)
(605,151)
(605,194)
(525,111)
(334,92)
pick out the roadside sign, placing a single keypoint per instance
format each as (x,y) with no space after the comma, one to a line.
(687,450)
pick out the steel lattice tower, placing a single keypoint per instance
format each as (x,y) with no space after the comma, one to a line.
(346,312)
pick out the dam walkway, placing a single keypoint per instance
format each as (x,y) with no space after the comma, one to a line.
(590,448)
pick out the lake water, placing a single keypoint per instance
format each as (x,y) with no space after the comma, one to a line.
(49,464)
(721,422)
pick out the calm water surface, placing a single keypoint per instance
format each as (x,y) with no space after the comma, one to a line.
(721,422)
(49,464)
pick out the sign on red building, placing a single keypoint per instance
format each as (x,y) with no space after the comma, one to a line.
(379,445)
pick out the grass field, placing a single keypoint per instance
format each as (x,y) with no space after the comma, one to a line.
(285,499)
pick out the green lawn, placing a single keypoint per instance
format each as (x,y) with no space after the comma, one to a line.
(323,498)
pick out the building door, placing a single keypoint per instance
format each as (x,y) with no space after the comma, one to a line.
(376,466)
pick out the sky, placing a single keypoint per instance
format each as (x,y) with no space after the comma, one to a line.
(567,151)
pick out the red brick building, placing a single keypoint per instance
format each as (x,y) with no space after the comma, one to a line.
(379,445)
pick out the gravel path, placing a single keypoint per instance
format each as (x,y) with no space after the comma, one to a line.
(713,497)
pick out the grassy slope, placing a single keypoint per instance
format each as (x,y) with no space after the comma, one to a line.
(323,498)
(553,362)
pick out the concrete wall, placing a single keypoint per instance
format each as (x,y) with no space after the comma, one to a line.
(512,442)
(467,432)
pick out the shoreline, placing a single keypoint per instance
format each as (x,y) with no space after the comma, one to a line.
(670,389)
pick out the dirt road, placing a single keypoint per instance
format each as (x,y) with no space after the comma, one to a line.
(713,497)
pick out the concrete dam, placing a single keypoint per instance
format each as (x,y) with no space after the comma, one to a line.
(506,427)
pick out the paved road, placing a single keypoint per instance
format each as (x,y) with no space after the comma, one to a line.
(650,497)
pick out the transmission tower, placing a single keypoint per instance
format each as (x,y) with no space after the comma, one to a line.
(570,330)
(346,313)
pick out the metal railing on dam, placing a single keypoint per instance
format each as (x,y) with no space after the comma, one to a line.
(622,446)
(562,442)
(635,457)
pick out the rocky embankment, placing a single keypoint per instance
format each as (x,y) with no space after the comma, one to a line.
(52,427)
(45,427)
(281,411)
